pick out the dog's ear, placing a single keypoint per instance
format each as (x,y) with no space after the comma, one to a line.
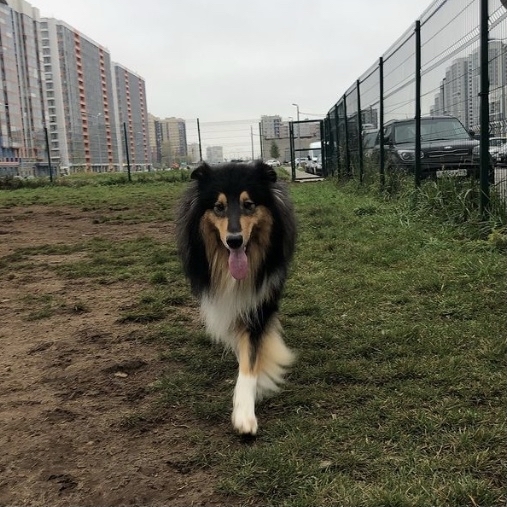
(265,172)
(203,172)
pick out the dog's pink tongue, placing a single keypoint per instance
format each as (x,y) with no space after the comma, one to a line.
(238,263)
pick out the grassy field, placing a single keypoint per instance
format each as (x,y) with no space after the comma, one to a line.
(398,395)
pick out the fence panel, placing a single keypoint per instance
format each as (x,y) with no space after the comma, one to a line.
(399,79)
(450,79)
(451,83)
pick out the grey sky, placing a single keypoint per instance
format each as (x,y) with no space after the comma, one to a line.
(236,59)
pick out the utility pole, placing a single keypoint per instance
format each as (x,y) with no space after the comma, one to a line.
(260,140)
(251,138)
(199,135)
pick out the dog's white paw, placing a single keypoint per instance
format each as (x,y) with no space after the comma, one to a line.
(244,420)
(243,406)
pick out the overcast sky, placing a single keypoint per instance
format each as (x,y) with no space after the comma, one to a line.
(237,59)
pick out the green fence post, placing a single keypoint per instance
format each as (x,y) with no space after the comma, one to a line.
(417,103)
(360,132)
(381,123)
(337,125)
(484,108)
(347,147)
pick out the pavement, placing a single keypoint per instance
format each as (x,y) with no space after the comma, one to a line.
(305,177)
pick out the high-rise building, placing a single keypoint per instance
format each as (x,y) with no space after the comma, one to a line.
(80,96)
(168,139)
(174,132)
(22,109)
(155,139)
(59,89)
(194,153)
(214,154)
(132,116)
(459,91)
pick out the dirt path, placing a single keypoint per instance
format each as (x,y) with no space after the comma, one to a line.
(69,382)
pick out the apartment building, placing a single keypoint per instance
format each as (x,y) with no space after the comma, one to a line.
(60,89)
(155,139)
(214,154)
(459,89)
(194,153)
(168,139)
(132,117)
(22,101)
(80,99)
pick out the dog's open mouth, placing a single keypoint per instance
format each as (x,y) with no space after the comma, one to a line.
(238,263)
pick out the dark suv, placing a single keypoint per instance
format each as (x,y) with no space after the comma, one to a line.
(447,148)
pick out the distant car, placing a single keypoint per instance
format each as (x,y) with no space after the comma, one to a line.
(447,147)
(495,143)
(273,162)
(500,157)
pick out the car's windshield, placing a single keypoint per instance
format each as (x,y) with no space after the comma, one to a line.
(434,129)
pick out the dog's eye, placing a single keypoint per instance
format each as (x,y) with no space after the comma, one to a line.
(249,206)
(219,208)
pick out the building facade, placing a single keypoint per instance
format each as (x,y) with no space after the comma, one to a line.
(214,154)
(80,97)
(194,153)
(459,90)
(64,104)
(22,104)
(132,117)
(168,140)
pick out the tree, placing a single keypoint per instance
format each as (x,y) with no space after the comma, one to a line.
(274,152)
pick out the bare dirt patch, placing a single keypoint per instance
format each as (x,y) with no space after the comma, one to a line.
(70,380)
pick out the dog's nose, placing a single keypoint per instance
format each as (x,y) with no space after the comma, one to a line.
(234,240)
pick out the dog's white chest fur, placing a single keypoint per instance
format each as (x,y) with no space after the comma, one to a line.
(222,311)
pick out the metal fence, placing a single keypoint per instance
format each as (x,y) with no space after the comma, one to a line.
(451,58)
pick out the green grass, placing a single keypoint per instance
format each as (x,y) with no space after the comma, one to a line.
(398,318)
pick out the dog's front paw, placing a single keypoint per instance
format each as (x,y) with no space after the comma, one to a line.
(244,421)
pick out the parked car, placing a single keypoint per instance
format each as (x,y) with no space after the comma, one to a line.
(370,138)
(447,147)
(495,143)
(500,157)
(273,163)
(301,162)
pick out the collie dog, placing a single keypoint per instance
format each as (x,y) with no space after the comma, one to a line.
(236,234)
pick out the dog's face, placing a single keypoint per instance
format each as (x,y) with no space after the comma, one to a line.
(236,219)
